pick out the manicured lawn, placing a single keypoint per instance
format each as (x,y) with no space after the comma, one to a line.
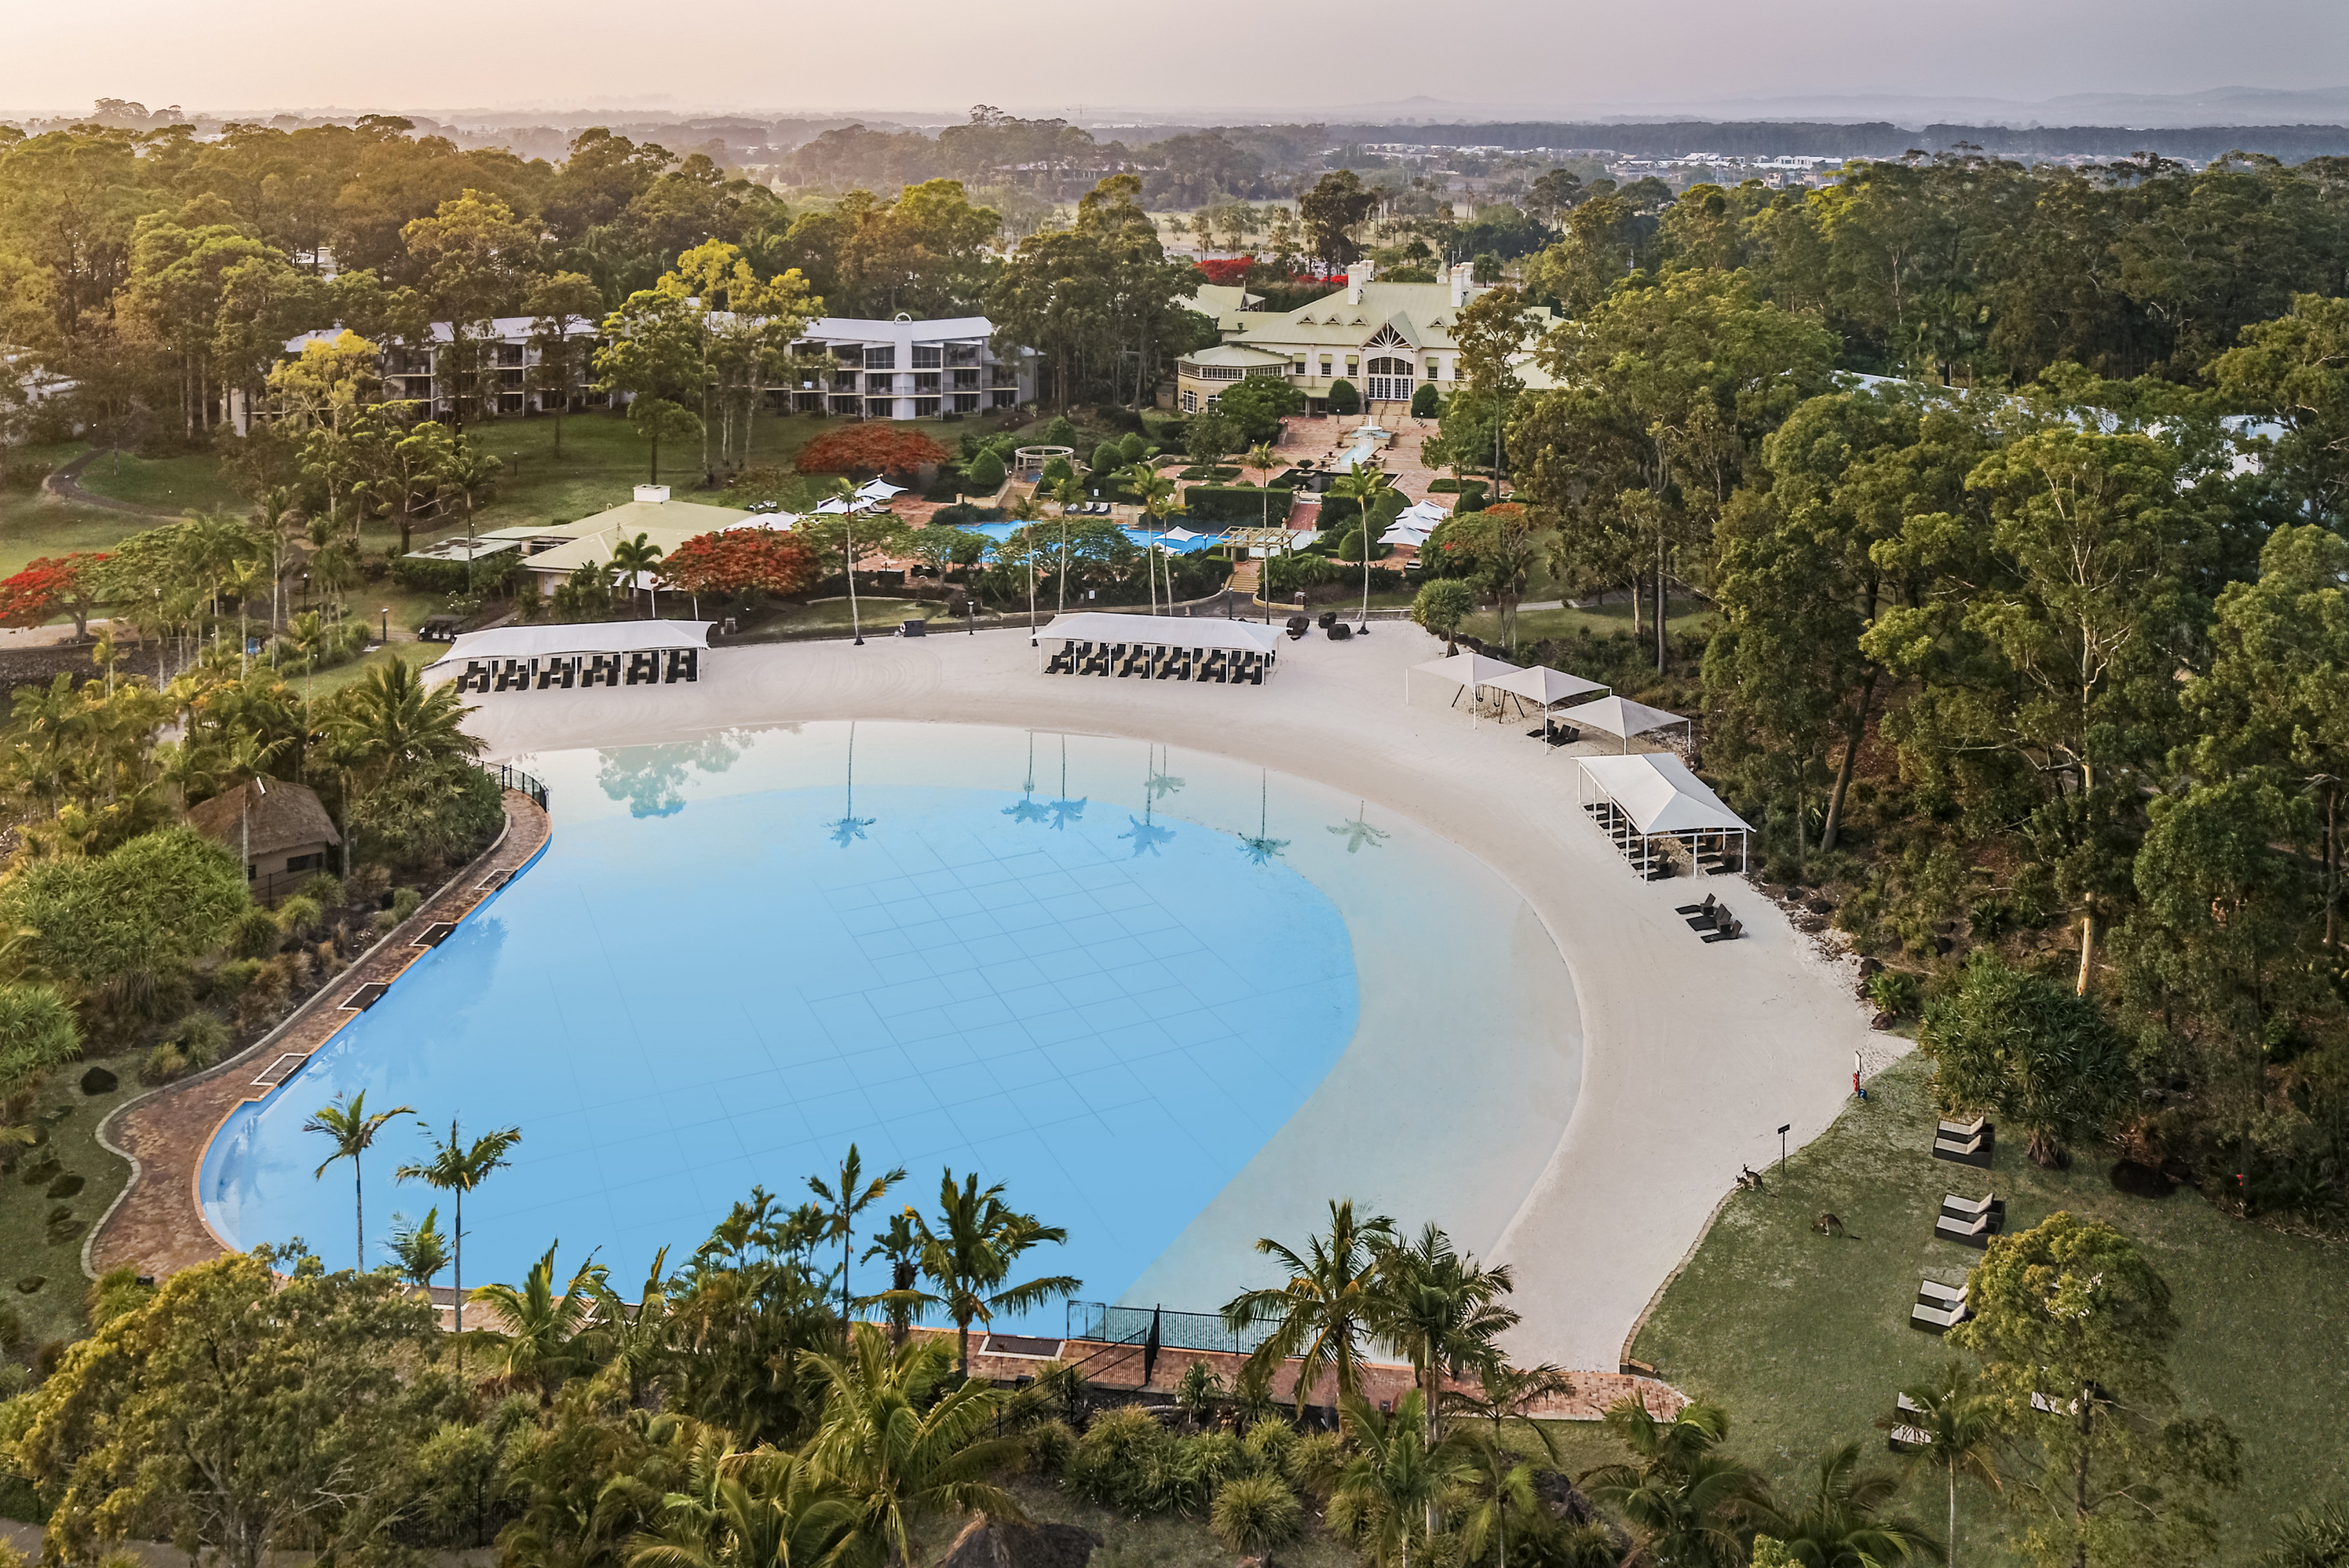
(35,524)
(1804,1338)
(879,617)
(181,484)
(1600,620)
(54,1310)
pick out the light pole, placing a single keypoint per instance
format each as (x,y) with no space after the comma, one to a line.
(1782,1147)
(385,614)
(1031,593)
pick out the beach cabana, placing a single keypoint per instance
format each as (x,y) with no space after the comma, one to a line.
(1471,672)
(1641,799)
(1161,648)
(1623,719)
(1548,688)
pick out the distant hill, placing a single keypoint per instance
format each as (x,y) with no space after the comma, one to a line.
(1877,139)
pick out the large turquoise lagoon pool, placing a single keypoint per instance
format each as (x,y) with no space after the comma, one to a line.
(1109,975)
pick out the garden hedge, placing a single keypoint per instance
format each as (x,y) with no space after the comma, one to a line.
(1236,504)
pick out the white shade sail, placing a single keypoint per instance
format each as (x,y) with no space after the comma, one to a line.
(1165,631)
(879,490)
(1403,534)
(591,638)
(1547,686)
(1620,716)
(1660,795)
(1426,511)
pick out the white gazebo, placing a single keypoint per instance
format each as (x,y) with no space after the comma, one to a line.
(1547,688)
(1471,672)
(1624,718)
(1640,800)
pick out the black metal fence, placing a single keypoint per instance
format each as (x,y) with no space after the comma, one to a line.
(512,777)
(1177,1330)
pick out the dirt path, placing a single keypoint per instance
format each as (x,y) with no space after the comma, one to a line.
(65,483)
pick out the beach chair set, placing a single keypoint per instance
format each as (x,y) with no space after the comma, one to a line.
(1635,847)
(1939,1307)
(1964,1142)
(1971,1221)
(565,672)
(1152,661)
(1712,919)
(1905,1435)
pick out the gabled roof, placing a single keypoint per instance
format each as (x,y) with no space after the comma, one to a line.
(1423,314)
(264,816)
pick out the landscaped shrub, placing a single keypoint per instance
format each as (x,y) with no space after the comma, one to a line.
(1108,457)
(163,1064)
(298,917)
(200,1037)
(264,1000)
(1049,1444)
(405,901)
(1117,417)
(130,917)
(12,1330)
(983,475)
(429,816)
(1120,1461)
(1424,402)
(1132,448)
(1243,505)
(1450,486)
(493,574)
(325,887)
(1344,398)
(1254,1513)
(230,980)
(1056,471)
(869,448)
(1059,433)
(964,515)
(37,1035)
(367,885)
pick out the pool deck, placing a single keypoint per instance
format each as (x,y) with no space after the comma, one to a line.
(1692,1052)
(158,1223)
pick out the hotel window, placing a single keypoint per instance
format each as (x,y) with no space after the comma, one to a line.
(966,402)
(1009,397)
(1325,365)
(880,408)
(1190,402)
(966,378)
(927,356)
(1353,362)
(926,408)
(962,353)
(1430,371)
(881,358)
(876,383)
(844,380)
(925,380)
(1297,367)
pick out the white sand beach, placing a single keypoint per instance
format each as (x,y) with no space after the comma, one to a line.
(1691,1054)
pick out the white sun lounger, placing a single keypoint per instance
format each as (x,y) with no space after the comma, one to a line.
(1970,1222)
(1939,1307)
(1964,1142)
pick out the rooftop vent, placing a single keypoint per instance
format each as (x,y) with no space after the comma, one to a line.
(653,495)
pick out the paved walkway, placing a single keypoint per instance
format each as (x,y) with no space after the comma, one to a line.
(65,483)
(158,1223)
(1692,1055)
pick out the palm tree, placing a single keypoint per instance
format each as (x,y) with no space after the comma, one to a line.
(1363,486)
(1443,1311)
(899,1448)
(1686,1504)
(1961,1426)
(901,1243)
(855,1196)
(1157,493)
(970,1254)
(419,1252)
(1509,1394)
(1067,493)
(394,721)
(1323,1315)
(460,1168)
(353,1130)
(1496,1484)
(1388,1486)
(467,475)
(637,1339)
(843,491)
(542,1329)
(1261,460)
(635,558)
(1841,1524)
(763,1508)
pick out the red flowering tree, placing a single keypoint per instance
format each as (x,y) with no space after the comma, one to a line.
(740,560)
(1226,270)
(48,584)
(871,448)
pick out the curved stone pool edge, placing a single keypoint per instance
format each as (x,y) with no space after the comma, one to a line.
(158,1221)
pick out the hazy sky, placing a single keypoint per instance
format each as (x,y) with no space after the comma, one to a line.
(1580,55)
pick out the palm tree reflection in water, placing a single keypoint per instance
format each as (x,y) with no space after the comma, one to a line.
(1145,836)
(850,828)
(1262,847)
(1065,810)
(1357,832)
(1027,808)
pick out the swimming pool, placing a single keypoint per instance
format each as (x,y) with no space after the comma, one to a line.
(1133,984)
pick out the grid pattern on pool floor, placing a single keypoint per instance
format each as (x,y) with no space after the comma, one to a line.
(1111,1016)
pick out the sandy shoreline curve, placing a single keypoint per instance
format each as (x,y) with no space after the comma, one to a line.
(1691,1054)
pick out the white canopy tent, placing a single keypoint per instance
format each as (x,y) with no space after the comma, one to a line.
(1652,796)
(599,654)
(1423,513)
(593,637)
(878,491)
(1471,672)
(1624,718)
(1548,687)
(1404,533)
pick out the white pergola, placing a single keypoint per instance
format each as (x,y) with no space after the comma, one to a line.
(1547,688)
(1471,672)
(1638,800)
(1624,718)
